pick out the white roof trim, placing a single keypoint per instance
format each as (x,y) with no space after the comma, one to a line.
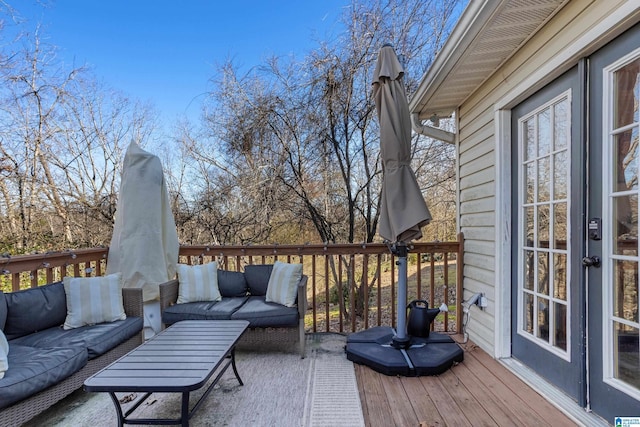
(486,35)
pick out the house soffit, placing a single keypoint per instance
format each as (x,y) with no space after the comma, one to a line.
(487,34)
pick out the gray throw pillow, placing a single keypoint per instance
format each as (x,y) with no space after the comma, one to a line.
(257,277)
(35,309)
(3,310)
(232,284)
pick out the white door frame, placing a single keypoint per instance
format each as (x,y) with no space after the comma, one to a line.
(605,30)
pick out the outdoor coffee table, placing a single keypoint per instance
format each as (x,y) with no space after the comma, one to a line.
(180,359)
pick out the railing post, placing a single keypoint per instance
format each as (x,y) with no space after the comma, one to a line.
(459,280)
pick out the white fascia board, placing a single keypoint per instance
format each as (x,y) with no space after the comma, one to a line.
(471,22)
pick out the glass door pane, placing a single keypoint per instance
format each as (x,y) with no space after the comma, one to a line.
(623,192)
(544,205)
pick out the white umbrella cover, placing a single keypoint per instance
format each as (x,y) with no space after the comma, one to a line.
(403,209)
(144,245)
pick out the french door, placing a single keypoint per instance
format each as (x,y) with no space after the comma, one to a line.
(614,168)
(547,165)
(575,249)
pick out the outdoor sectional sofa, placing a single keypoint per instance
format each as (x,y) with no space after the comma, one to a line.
(244,297)
(47,362)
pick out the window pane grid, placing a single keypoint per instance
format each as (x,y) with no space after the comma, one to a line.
(623,194)
(544,225)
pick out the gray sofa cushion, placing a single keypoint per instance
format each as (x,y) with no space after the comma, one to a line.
(221,310)
(185,311)
(3,310)
(261,314)
(34,369)
(35,309)
(257,277)
(98,339)
(232,283)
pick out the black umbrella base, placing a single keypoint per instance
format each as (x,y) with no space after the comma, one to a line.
(424,356)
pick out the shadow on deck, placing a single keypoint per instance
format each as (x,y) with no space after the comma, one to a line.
(478,391)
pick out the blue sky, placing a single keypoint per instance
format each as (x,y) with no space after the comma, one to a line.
(166,51)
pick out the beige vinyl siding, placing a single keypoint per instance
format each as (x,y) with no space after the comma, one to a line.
(483,176)
(483,205)
(477,220)
(476,192)
(480,247)
(482,163)
(480,262)
(477,148)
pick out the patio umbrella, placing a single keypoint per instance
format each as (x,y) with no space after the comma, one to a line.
(403,209)
(144,245)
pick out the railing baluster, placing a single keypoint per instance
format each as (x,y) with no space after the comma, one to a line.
(340,293)
(313,293)
(34,278)
(352,291)
(364,280)
(393,291)
(15,281)
(379,283)
(445,266)
(326,292)
(419,275)
(432,280)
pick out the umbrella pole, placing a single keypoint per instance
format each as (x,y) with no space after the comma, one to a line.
(401,339)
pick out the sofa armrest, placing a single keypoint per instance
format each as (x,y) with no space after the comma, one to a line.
(133,302)
(302,296)
(168,294)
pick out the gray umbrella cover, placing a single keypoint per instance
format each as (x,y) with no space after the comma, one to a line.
(403,209)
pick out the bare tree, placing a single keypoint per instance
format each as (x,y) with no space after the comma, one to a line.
(304,133)
(34,95)
(87,156)
(288,151)
(61,142)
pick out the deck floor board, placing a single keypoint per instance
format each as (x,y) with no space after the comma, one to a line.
(542,407)
(478,392)
(374,401)
(504,409)
(424,408)
(403,413)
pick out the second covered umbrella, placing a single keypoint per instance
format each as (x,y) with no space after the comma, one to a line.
(403,209)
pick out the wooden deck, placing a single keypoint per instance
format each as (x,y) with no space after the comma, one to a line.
(477,392)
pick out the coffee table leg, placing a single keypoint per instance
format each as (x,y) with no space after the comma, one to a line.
(233,365)
(116,402)
(185,409)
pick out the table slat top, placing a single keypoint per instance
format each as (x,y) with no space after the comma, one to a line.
(181,358)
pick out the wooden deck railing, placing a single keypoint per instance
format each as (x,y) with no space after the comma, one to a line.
(351,286)
(24,271)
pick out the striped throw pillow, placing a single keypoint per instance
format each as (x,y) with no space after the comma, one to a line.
(198,283)
(283,283)
(92,300)
(4,354)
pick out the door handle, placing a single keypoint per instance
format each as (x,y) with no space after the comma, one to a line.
(591,261)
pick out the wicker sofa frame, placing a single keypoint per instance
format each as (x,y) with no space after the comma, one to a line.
(266,338)
(26,409)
